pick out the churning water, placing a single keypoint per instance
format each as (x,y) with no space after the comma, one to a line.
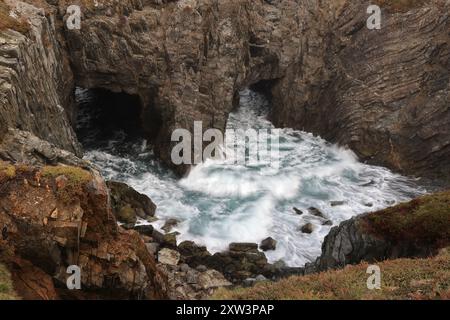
(218,204)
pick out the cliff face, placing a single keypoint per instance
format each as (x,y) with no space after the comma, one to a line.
(415,229)
(384,93)
(54,217)
(36,82)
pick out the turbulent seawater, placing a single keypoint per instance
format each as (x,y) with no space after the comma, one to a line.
(219,204)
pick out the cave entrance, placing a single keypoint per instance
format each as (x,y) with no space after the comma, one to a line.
(103,116)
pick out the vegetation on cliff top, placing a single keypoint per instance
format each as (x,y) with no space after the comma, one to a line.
(425,220)
(6,287)
(400,279)
(69,180)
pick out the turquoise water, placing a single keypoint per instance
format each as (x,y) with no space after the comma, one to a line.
(218,203)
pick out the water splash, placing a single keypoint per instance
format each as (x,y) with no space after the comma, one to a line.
(219,204)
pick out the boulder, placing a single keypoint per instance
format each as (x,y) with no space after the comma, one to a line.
(307,228)
(243,247)
(128,204)
(146,230)
(268,244)
(169,224)
(316,212)
(168,256)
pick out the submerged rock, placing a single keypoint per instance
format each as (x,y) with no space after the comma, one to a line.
(316,212)
(169,224)
(307,228)
(297,211)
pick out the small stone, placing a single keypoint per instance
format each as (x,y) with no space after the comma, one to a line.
(146,230)
(316,212)
(212,279)
(298,211)
(260,278)
(127,215)
(369,204)
(184,267)
(328,223)
(201,268)
(307,228)
(337,203)
(152,247)
(243,247)
(168,256)
(192,277)
(170,223)
(268,244)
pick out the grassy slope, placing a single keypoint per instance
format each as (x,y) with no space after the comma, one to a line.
(6,287)
(425,220)
(400,279)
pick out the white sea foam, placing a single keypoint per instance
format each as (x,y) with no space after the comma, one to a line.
(219,204)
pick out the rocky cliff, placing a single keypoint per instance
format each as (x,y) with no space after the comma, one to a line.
(36,81)
(384,93)
(57,216)
(414,229)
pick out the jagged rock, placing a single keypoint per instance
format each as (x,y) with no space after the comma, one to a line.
(268,244)
(152,248)
(127,215)
(212,279)
(193,254)
(376,236)
(19,146)
(169,224)
(36,80)
(128,204)
(146,230)
(243,247)
(84,232)
(168,256)
(307,228)
(316,212)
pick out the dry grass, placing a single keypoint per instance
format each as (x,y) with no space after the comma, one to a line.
(73,187)
(401,279)
(425,221)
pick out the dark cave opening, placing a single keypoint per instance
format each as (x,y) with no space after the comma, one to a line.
(102,115)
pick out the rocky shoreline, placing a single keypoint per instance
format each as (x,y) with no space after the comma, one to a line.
(385,95)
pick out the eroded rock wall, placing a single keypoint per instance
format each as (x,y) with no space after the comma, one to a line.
(36,82)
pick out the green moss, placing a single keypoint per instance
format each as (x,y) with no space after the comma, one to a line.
(73,184)
(425,220)
(6,287)
(7,172)
(400,279)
